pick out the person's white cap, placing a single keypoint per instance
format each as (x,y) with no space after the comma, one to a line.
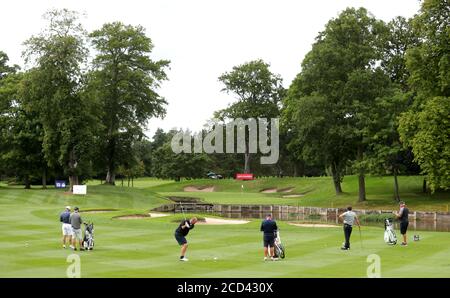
(68,207)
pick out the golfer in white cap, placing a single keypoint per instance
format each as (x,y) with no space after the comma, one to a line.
(64,218)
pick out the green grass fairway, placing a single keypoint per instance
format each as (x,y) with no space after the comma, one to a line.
(30,242)
(318,192)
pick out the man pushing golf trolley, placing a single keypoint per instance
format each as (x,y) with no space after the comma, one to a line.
(273,247)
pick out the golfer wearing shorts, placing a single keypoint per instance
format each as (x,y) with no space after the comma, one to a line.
(181,233)
(75,222)
(349,218)
(269,229)
(64,218)
(402,216)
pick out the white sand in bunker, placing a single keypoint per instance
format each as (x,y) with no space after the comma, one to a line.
(293,196)
(274,190)
(269,190)
(154,215)
(133,216)
(289,189)
(141,216)
(314,225)
(219,221)
(199,189)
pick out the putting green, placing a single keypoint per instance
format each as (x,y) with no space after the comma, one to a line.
(30,243)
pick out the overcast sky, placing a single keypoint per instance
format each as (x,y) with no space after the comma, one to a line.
(202,39)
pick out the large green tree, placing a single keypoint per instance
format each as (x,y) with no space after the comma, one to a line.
(387,155)
(124,83)
(258,94)
(329,104)
(425,127)
(21,132)
(54,86)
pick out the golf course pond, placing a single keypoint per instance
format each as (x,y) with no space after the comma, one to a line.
(421,221)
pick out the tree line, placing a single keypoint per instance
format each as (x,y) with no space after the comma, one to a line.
(73,117)
(371,98)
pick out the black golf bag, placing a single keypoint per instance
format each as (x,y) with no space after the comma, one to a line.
(88,240)
(279,247)
(389,234)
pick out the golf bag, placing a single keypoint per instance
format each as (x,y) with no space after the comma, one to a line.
(88,240)
(389,234)
(279,247)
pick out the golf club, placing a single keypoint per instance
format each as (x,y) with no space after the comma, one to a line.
(182,210)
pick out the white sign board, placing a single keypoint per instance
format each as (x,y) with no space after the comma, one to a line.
(80,189)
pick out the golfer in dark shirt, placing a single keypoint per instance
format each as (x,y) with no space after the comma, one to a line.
(180,233)
(269,229)
(404,221)
(64,218)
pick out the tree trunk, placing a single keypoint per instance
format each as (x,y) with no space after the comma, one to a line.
(110,177)
(44,179)
(396,191)
(362,187)
(27,182)
(336,179)
(132,181)
(424,186)
(73,180)
(247,157)
(111,171)
(301,168)
(361,178)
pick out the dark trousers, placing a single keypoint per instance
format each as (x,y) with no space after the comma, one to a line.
(347,233)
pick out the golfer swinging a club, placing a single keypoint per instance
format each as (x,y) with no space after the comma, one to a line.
(181,233)
(349,218)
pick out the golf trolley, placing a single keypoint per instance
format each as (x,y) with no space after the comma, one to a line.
(279,247)
(389,234)
(88,240)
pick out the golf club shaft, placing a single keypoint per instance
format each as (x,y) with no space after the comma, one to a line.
(182,210)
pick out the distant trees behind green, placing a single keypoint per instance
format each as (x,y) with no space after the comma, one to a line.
(70,117)
(371,98)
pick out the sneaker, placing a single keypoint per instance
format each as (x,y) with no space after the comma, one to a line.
(64,246)
(265,258)
(274,259)
(184,259)
(81,249)
(345,248)
(404,244)
(72,247)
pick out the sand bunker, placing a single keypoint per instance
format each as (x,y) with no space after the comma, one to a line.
(199,189)
(97,210)
(269,190)
(274,190)
(289,189)
(132,216)
(154,215)
(314,225)
(293,196)
(219,221)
